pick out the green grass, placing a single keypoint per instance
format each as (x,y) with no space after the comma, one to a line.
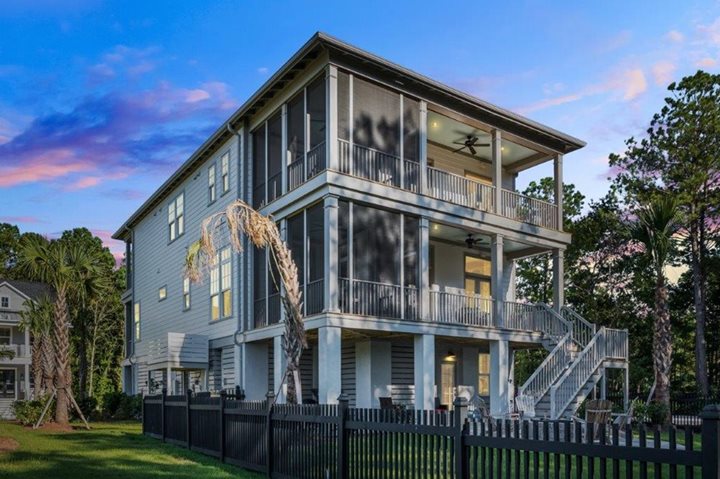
(109,450)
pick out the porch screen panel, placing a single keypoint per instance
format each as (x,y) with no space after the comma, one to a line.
(296,244)
(259,292)
(274,156)
(411,135)
(343,247)
(315,218)
(376,117)
(343,100)
(296,126)
(258,164)
(316,111)
(411,247)
(376,245)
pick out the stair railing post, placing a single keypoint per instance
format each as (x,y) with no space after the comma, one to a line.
(710,436)
(460,406)
(221,426)
(162,414)
(270,399)
(342,450)
(188,424)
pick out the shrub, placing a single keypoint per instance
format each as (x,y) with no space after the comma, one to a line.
(654,413)
(28,412)
(118,405)
(88,406)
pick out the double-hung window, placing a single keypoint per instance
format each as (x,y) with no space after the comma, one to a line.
(5,336)
(212,194)
(221,285)
(176,217)
(5,302)
(225,172)
(136,321)
(186,293)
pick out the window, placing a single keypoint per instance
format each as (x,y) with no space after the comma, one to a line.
(477,276)
(136,321)
(5,335)
(484,374)
(225,172)
(162,293)
(186,293)
(176,217)
(258,165)
(5,302)
(274,156)
(221,285)
(376,117)
(296,127)
(212,194)
(7,383)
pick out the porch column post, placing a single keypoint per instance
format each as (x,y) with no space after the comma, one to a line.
(499,373)
(285,152)
(423,148)
(279,363)
(330,253)
(424,357)
(424,268)
(496,263)
(332,118)
(558,279)
(558,167)
(496,153)
(329,364)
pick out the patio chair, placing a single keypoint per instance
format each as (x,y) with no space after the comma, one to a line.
(525,405)
(598,412)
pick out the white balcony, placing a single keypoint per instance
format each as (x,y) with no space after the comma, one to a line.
(19,351)
(179,350)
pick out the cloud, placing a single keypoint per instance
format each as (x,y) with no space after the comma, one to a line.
(706,62)
(263,70)
(117,248)
(109,137)
(675,36)
(616,41)
(711,32)
(635,83)
(550,102)
(663,72)
(20,219)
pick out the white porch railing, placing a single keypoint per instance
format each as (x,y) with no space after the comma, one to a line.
(534,317)
(461,308)
(378,166)
(314,298)
(306,166)
(554,365)
(616,344)
(18,350)
(459,190)
(528,210)
(583,330)
(382,300)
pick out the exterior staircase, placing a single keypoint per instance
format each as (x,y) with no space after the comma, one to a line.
(575,365)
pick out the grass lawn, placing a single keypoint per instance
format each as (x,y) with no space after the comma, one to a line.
(109,450)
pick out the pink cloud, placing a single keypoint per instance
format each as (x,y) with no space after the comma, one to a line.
(663,72)
(117,248)
(20,219)
(197,95)
(706,62)
(635,83)
(675,36)
(550,102)
(45,166)
(711,32)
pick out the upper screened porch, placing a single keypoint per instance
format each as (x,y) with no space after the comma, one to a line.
(345,123)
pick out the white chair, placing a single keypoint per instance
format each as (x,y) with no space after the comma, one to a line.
(525,405)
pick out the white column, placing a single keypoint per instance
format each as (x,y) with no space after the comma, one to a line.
(424,356)
(499,372)
(423,148)
(255,371)
(279,364)
(497,265)
(332,118)
(496,153)
(372,372)
(330,253)
(329,364)
(558,278)
(424,268)
(558,167)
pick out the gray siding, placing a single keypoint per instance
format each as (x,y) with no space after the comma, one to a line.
(348,371)
(403,363)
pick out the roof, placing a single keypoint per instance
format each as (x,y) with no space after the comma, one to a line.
(32,289)
(318,43)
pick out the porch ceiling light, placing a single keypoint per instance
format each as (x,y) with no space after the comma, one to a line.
(450,357)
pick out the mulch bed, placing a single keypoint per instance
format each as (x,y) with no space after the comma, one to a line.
(8,444)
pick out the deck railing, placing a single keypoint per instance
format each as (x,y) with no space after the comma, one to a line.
(616,344)
(17,350)
(554,365)
(306,166)
(313,297)
(583,330)
(528,210)
(378,166)
(459,308)
(534,317)
(459,190)
(382,300)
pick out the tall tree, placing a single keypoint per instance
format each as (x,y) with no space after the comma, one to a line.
(9,245)
(655,227)
(38,318)
(680,156)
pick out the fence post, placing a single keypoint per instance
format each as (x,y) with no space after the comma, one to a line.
(342,450)
(270,399)
(222,426)
(459,415)
(710,448)
(142,413)
(162,414)
(188,426)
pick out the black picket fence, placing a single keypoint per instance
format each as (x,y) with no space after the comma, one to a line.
(336,441)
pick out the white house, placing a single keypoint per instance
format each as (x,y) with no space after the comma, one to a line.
(397,197)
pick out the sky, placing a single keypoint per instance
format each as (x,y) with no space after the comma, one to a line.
(100,101)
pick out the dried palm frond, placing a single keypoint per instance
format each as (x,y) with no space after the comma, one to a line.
(240,220)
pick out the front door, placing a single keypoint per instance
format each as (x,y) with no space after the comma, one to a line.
(447,381)
(7,384)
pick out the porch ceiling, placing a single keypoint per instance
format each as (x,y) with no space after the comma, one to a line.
(457,236)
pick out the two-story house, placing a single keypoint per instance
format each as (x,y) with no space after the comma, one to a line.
(15,364)
(396,195)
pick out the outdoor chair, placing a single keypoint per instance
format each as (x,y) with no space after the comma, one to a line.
(525,405)
(598,412)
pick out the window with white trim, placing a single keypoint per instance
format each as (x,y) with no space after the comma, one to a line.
(162,293)
(5,336)
(221,285)
(186,293)
(5,302)
(176,217)
(225,172)
(136,321)
(212,194)
(484,374)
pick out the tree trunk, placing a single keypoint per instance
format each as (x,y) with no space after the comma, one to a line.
(48,362)
(662,344)
(698,276)
(62,358)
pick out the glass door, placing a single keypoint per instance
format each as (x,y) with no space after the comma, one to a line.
(7,384)
(447,383)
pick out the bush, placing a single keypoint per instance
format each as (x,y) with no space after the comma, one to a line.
(28,412)
(121,406)
(88,406)
(654,413)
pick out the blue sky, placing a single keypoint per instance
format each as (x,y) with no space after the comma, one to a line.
(101,101)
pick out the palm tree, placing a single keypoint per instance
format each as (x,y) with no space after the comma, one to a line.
(37,317)
(72,272)
(655,227)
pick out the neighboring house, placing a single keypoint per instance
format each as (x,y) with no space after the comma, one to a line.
(15,373)
(397,197)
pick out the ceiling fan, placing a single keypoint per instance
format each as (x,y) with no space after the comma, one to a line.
(471,142)
(471,241)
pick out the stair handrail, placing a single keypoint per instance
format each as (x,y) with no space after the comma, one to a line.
(552,367)
(583,330)
(571,382)
(556,326)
